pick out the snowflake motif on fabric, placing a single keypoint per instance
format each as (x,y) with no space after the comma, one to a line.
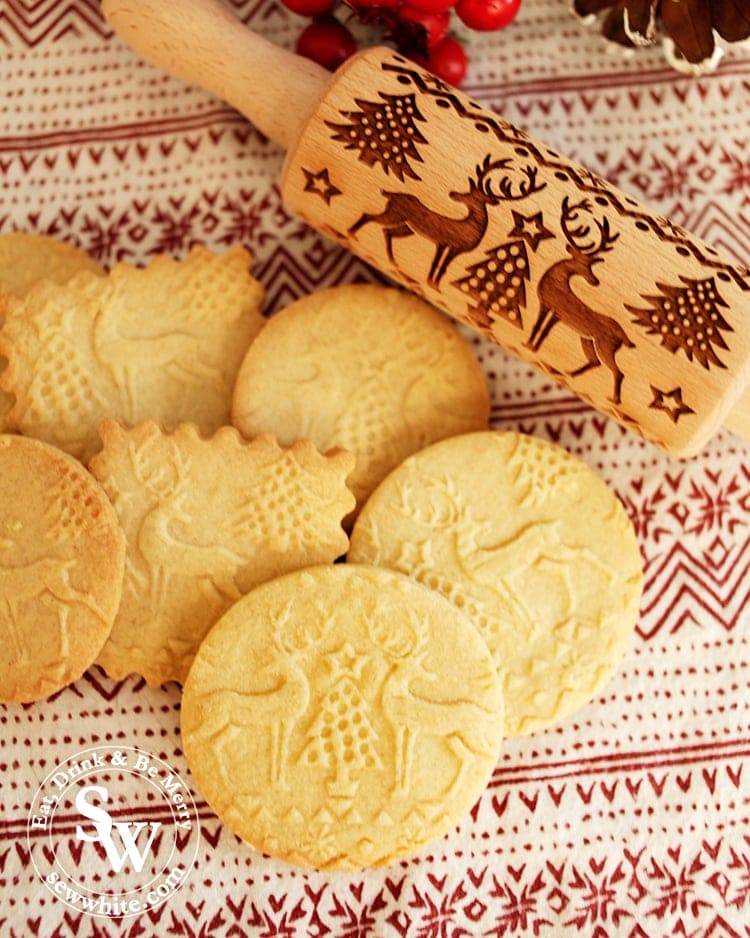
(243,218)
(174,226)
(104,235)
(687,319)
(385,133)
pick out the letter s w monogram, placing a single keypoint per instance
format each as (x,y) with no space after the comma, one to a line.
(128,831)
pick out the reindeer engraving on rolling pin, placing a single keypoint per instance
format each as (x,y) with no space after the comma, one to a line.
(601,335)
(405,215)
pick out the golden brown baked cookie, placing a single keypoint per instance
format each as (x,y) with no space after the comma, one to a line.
(27,257)
(62,557)
(6,402)
(163,343)
(206,520)
(369,368)
(532,545)
(342,717)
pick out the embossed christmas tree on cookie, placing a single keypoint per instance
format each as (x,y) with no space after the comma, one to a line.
(396,726)
(342,738)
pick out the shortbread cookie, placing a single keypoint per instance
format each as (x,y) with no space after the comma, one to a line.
(532,545)
(342,717)
(161,343)
(62,557)
(369,368)
(206,520)
(26,258)
(6,403)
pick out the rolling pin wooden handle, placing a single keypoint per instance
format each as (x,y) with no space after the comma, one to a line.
(635,315)
(202,42)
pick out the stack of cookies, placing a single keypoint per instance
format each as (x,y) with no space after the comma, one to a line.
(179,476)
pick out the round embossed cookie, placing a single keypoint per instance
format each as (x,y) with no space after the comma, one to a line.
(341,717)
(528,541)
(372,369)
(62,557)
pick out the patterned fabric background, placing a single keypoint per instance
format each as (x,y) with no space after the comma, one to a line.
(631,819)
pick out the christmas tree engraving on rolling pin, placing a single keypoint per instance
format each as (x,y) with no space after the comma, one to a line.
(542,256)
(400,116)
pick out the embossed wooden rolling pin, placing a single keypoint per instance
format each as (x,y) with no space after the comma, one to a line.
(632,313)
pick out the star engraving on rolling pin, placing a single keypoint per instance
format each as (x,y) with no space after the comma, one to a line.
(530,228)
(320,184)
(670,402)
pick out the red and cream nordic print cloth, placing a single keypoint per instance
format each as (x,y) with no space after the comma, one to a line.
(632,818)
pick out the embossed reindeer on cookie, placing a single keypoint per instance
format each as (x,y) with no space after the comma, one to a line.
(168,527)
(48,576)
(274,693)
(405,214)
(414,706)
(601,336)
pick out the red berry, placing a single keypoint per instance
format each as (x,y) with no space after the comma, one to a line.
(436,25)
(326,41)
(431,6)
(448,61)
(309,7)
(373,6)
(487,15)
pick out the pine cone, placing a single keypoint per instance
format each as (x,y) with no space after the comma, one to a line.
(693,33)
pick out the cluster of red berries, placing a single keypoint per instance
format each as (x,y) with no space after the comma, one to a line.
(418,29)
